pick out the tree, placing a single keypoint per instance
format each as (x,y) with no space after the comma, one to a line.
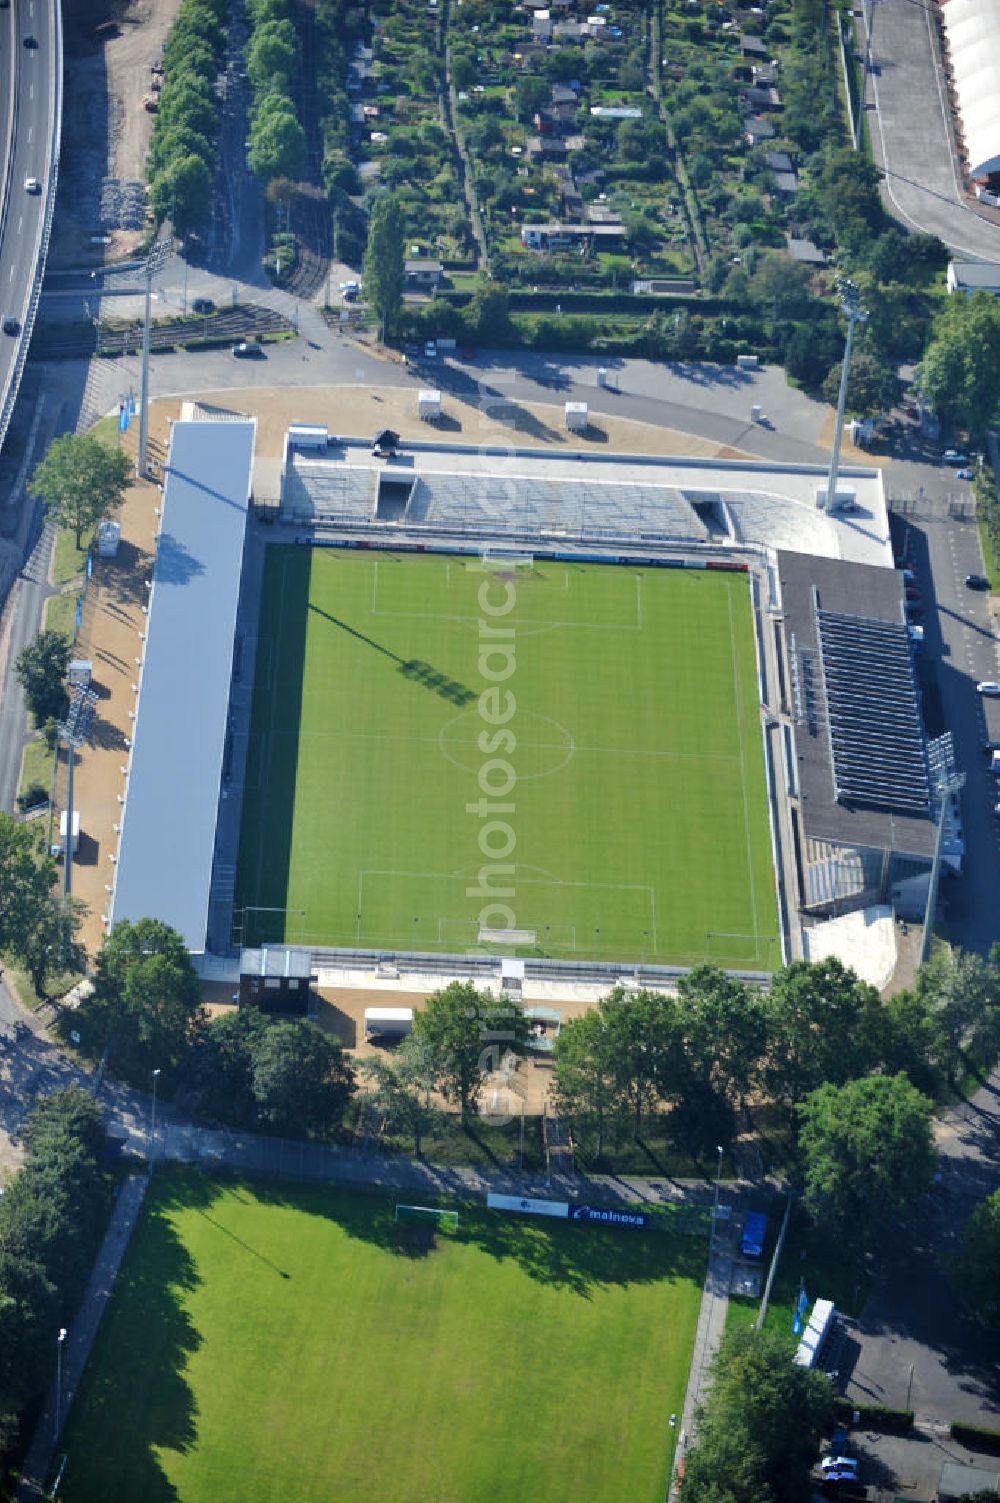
(643,1044)
(467,1034)
(489,311)
(26,880)
(384,260)
(464,72)
(759,1429)
(182,192)
(79,481)
(960,371)
(962,993)
(273,55)
(724,1028)
(41,672)
(867,1153)
(222,1065)
(584,1076)
(301,1079)
(401,1087)
(276,145)
(531,94)
(976,1268)
(872,386)
(52,945)
(822,1025)
(146,1005)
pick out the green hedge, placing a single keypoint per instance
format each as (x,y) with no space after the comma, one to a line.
(977,1437)
(875,1416)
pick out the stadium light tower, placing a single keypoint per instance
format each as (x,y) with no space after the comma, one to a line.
(154,264)
(946,781)
(850,307)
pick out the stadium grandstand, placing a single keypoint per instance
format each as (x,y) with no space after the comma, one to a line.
(536,495)
(863,792)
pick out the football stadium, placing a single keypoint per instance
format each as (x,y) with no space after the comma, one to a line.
(604,714)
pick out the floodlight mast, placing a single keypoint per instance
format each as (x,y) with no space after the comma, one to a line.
(850,307)
(155,262)
(949,783)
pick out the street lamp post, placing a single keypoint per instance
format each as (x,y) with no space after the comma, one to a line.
(152,1122)
(673,1444)
(155,262)
(718,1176)
(850,307)
(57,1421)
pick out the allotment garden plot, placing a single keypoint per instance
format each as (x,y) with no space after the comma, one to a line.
(572,752)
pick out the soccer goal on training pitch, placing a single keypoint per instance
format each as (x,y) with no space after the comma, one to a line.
(447,1219)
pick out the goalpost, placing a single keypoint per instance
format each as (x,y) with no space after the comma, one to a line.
(447,1219)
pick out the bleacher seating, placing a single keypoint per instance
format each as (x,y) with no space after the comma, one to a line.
(317,490)
(524,504)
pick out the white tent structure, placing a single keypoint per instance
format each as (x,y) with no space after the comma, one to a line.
(972,32)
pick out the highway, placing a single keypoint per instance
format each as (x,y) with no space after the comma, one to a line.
(26,108)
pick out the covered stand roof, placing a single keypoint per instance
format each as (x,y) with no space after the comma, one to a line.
(972,31)
(168,827)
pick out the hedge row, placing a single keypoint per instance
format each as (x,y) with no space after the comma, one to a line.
(875,1416)
(977,1437)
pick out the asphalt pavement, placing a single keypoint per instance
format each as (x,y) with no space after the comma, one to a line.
(911,135)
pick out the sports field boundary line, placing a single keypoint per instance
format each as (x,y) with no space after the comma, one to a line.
(743,776)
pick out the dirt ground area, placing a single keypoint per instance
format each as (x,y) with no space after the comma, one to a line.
(358,412)
(106,130)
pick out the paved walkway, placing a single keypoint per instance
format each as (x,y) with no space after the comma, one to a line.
(708,1336)
(38,1463)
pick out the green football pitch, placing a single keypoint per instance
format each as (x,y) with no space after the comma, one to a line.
(610,713)
(272,1341)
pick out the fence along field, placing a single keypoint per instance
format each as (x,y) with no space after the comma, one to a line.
(636,807)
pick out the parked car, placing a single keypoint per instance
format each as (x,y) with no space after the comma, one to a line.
(989,688)
(430,350)
(202,305)
(11,325)
(976,582)
(964,474)
(838,1463)
(248,349)
(954,456)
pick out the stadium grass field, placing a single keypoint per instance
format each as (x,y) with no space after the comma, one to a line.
(274,1341)
(637,814)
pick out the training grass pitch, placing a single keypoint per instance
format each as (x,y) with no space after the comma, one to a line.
(572,752)
(277,1341)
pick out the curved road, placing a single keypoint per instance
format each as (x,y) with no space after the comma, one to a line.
(911,132)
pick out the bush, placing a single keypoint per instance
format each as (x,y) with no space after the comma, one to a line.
(977,1437)
(33,796)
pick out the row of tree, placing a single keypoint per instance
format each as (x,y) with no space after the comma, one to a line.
(719,1039)
(276,145)
(52,1216)
(182,148)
